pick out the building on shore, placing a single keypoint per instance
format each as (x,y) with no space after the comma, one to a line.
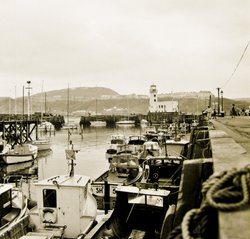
(160,106)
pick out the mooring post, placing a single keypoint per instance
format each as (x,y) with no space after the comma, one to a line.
(106,196)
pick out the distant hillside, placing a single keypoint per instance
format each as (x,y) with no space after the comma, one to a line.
(100,100)
(79,93)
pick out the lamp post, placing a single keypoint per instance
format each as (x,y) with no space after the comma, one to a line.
(28,88)
(218,101)
(222,106)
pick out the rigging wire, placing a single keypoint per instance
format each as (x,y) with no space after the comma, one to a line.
(242,55)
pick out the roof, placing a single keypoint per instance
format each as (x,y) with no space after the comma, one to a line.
(138,191)
(65,180)
(5,187)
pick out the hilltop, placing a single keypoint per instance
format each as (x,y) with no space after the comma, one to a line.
(101,100)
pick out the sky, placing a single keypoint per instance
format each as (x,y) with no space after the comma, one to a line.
(125,45)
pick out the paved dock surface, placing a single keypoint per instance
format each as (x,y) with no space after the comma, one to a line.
(231,149)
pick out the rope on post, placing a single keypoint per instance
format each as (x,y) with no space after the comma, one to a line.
(228,194)
(226,191)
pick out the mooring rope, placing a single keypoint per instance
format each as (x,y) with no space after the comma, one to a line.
(226,191)
(231,192)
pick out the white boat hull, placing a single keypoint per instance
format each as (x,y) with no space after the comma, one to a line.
(12,158)
(125,122)
(42,144)
(98,123)
(20,154)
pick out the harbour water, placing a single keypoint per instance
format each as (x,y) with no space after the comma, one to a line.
(91,144)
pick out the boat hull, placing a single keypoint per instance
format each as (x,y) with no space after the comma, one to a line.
(15,158)
(20,154)
(98,123)
(42,144)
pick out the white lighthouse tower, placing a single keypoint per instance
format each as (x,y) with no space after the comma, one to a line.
(153,101)
(160,106)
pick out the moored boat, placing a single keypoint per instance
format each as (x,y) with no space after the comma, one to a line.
(125,122)
(151,133)
(20,153)
(124,170)
(4,148)
(98,123)
(65,205)
(42,144)
(46,126)
(150,149)
(176,147)
(13,208)
(135,143)
(138,213)
(115,141)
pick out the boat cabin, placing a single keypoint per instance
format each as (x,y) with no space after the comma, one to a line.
(118,139)
(140,210)
(176,147)
(150,149)
(7,212)
(65,204)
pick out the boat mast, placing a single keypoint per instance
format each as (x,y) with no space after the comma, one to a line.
(28,88)
(68,105)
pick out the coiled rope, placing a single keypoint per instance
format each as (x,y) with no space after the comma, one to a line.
(231,192)
(227,191)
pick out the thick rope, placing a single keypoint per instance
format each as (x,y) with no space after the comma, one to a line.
(219,191)
(226,191)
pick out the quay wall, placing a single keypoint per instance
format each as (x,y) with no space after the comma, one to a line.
(228,154)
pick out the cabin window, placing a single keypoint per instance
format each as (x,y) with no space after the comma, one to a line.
(151,200)
(49,198)
(6,199)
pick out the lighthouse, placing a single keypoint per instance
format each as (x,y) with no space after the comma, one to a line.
(161,106)
(153,101)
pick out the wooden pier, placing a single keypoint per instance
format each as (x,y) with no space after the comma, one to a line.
(19,131)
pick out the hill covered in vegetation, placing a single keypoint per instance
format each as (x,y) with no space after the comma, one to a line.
(100,100)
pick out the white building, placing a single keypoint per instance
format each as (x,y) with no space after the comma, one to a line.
(160,106)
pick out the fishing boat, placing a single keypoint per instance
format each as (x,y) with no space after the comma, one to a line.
(70,125)
(20,153)
(125,122)
(151,133)
(13,208)
(150,149)
(124,170)
(42,144)
(4,148)
(135,143)
(138,213)
(115,141)
(65,205)
(144,123)
(98,123)
(177,146)
(46,126)
(150,207)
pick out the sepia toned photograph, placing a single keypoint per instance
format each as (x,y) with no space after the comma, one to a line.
(124,119)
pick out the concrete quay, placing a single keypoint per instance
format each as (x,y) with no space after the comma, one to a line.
(230,142)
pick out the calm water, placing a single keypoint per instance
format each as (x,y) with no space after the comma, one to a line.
(90,160)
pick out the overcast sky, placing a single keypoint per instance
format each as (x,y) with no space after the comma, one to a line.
(187,45)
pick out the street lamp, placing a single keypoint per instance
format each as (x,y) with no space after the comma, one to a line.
(28,88)
(222,107)
(218,101)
